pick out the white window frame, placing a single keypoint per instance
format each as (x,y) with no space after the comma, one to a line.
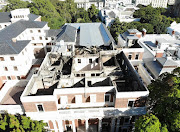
(42,107)
(105,98)
(78,99)
(92,98)
(133,102)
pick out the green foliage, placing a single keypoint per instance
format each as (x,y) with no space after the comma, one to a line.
(152,19)
(148,123)
(18,123)
(164,99)
(15,4)
(56,12)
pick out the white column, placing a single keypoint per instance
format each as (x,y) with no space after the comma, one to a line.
(60,126)
(86,125)
(112,124)
(73,126)
(99,125)
(54,124)
(117,124)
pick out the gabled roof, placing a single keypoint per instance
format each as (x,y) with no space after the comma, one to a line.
(53,32)
(166,62)
(33,17)
(9,47)
(5,17)
(68,34)
(17,28)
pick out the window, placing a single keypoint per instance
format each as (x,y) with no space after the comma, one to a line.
(89,83)
(93,98)
(40,38)
(97,60)
(46,38)
(92,75)
(78,99)
(22,53)
(137,56)
(131,103)
(52,38)
(0,26)
(130,56)
(40,108)
(18,78)
(5,68)
(126,120)
(12,58)
(8,77)
(90,60)
(39,31)
(1,58)
(79,60)
(31,31)
(15,68)
(32,38)
(107,97)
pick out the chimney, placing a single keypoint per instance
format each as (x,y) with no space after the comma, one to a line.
(144,32)
(14,40)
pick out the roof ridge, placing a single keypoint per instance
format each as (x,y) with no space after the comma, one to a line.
(12,47)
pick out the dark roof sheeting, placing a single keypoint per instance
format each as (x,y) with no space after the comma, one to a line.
(9,47)
(68,34)
(5,17)
(33,17)
(53,32)
(17,28)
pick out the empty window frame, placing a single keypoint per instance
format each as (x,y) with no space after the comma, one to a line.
(31,31)
(131,103)
(78,99)
(12,58)
(90,60)
(107,97)
(8,77)
(93,98)
(15,68)
(130,56)
(137,56)
(79,60)
(1,58)
(5,68)
(32,38)
(18,78)
(40,107)
(40,38)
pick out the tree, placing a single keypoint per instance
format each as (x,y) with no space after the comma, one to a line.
(148,123)
(15,4)
(93,13)
(19,123)
(164,99)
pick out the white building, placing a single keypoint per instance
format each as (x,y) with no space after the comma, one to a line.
(112,3)
(7,18)
(174,30)
(154,3)
(124,13)
(86,4)
(86,93)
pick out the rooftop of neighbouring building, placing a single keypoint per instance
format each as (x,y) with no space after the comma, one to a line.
(7,16)
(102,69)
(91,34)
(8,42)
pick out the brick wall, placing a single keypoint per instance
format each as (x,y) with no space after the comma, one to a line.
(71,97)
(48,106)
